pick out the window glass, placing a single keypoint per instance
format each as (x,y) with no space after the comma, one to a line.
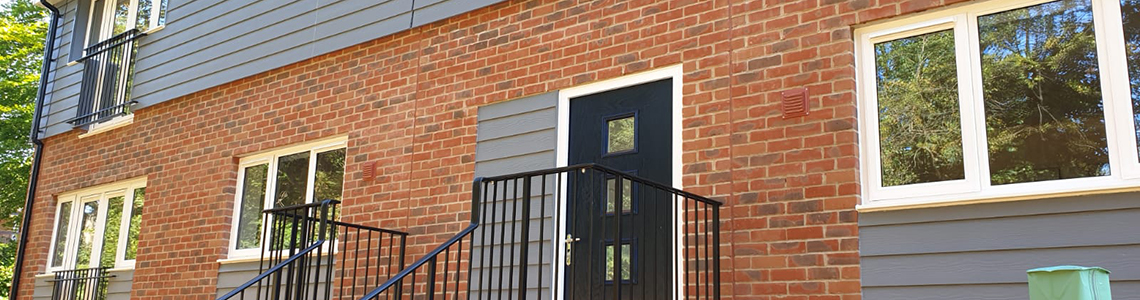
(111,225)
(329,180)
(920,129)
(61,230)
(1044,115)
(142,19)
(620,135)
(1131,19)
(626,195)
(292,179)
(626,258)
(162,13)
(88,216)
(121,18)
(136,219)
(252,202)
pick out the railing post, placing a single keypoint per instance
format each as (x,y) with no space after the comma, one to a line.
(525,236)
(431,278)
(716,251)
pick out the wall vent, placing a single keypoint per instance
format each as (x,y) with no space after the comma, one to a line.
(794,103)
(368,170)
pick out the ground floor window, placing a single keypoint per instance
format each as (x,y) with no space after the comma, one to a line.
(98,227)
(1001,99)
(286,177)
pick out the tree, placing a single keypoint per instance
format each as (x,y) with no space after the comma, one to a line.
(22,29)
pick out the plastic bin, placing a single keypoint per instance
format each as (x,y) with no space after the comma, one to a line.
(1069,283)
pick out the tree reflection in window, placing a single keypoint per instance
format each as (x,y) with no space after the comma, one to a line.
(1044,115)
(920,133)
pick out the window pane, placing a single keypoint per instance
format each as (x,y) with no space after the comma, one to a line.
(329,180)
(142,22)
(1131,15)
(111,232)
(252,202)
(89,212)
(1044,115)
(626,195)
(920,129)
(136,219)
(162,13)
(626,257)
(292,179)
(620,135)
(122,16)
(61,229)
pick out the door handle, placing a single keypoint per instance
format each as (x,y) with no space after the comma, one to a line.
(570,240)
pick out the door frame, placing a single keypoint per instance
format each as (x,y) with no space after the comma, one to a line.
(674,72)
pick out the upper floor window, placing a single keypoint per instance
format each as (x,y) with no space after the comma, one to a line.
(291,176)
(1001,99)
(114,17)
(98,227)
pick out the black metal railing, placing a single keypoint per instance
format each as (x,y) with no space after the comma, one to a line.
(81,284)
(513,248)
(108,69)
(308,254)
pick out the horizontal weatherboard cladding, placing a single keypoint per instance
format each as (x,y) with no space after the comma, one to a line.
(982,251)
(207,43)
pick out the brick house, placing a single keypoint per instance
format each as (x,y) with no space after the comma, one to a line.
(813,149)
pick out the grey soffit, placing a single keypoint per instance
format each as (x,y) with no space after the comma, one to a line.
(208,43)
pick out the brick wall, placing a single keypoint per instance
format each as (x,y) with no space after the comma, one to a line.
(407,102)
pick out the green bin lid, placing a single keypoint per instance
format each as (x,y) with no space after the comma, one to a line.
(1067,268)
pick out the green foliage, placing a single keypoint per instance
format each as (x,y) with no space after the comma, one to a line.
(22,29)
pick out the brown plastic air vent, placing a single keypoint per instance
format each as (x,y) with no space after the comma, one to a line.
(794,103)
(368,170)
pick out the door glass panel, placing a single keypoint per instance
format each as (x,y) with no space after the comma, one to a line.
(136,219)
(88,215)
(920,129)
(1131,18)
(626,258)
(620,135)
(122,16)
(61,230)
(111,232)
(292,179)
(252,202)
(1044,115)
(143,16)
(329,180)
(626,195)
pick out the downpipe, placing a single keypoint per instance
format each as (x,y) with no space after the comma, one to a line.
(29,201)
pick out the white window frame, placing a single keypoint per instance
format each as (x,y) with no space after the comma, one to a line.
(103,193)
(976,187)
(270,158)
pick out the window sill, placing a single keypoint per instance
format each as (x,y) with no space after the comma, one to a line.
(1062,190)
(116,122)
(153,30)
(238,260)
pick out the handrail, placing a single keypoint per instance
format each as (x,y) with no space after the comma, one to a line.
(115,41)
(256,279)
(710,217)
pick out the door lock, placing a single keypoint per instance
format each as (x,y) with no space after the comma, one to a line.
(570,240)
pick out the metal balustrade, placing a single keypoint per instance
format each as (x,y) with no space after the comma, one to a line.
(513,247)
(80,284)
(108,69)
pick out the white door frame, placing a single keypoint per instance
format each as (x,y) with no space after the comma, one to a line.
(675,72)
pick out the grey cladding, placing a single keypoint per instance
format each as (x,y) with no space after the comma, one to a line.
(982,251)
(206,43)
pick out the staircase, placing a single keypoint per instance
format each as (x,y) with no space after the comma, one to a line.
(303,246)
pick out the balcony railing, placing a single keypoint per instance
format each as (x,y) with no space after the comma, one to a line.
(513,248)
(81,284)
(108,69)
(308,254)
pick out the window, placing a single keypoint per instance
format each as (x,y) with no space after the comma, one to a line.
(621,135)
(114,17)
(98,227)
(286,177)
(1001,99)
